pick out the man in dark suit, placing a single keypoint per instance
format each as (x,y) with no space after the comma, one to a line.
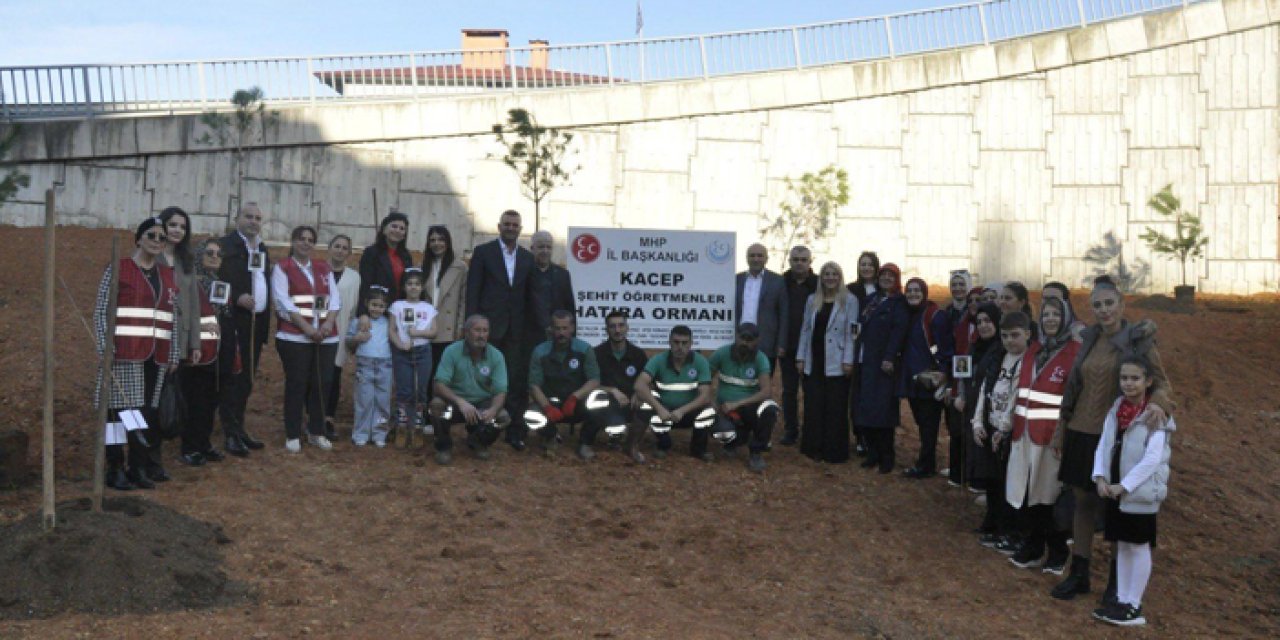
(801,283)
(550,288)
(251,303)
(498,289)
(761,299)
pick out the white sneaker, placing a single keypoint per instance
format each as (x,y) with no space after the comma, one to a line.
(320,442)
(981,500)
(294,445)
(428,430)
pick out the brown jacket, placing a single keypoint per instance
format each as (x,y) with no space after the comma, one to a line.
(1132,339)
(450,298)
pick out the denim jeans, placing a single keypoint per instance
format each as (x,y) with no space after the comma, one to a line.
(373,400)
(413,379)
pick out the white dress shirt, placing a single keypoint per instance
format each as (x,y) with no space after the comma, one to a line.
(285,305)
(259,277)
(509,259)
(751,297)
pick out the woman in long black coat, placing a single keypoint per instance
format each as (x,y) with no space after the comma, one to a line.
(883,335)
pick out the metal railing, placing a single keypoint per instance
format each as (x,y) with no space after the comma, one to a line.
(82,90)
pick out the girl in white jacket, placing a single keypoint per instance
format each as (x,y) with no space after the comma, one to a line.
(1131,471)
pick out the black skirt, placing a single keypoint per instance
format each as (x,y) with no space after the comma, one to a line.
(1077,459)
(1137,528)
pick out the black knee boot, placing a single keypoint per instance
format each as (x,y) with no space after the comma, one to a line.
(1077,581)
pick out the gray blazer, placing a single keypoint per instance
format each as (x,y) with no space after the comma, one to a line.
(771,315)
(837,340)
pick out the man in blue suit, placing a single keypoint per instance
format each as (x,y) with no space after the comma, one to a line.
(498,289)
(761,299)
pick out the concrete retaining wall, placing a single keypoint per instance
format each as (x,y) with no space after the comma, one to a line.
(1012,160)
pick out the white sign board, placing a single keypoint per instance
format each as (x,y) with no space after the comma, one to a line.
(659,278)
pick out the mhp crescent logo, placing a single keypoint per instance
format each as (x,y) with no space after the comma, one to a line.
(718,251)
(585,248)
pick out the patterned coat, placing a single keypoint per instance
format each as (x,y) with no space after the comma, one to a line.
(128,378)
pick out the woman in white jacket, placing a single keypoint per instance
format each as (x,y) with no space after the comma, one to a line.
(825,357)
(349,290)
(1131,472)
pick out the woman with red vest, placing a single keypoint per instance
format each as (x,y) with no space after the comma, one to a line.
(1031,483)
(144,350)
(203,377)
(307,301)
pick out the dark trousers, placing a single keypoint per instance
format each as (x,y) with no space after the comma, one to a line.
(308,370)
(756,427)
(826,434)
(516,354)
(956,447)
(880,446)
(200,387)
(237,390)
(591,420)
(854,384)
(664,441)
(791,396)
(334,394)
(927,414)
(1000,516)
(437,352)
(140,456)
(1036,522)
(476,434)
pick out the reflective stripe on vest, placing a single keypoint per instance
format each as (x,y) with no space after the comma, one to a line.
(144,316)
(1039,399)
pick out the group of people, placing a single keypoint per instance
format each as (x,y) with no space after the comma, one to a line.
(1033,405)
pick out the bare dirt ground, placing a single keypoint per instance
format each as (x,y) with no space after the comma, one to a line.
(384,543)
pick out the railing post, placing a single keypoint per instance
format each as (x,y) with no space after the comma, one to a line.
(608,62)
(982,17)
(204,94)
(1084,22)
(311,83)
(88,100)
(795,46)
(702,54)
(888,34)
(413,73)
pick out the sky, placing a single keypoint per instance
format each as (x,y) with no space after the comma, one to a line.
(44,32)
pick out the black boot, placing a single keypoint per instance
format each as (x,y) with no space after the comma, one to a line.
(1109,596)
(117,480)
(250,442)
(1077,581)
(139,479)
(235,447)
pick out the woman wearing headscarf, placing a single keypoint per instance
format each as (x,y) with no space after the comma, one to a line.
(1092,388)
(1061,292)
(961,312)
(144,351)
(880,344)
(862,288)
(985,466)
(204,375)
(825,357)
(1032,486)
(926,363)
(384,261)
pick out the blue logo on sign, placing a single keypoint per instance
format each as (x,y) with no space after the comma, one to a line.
(719,252)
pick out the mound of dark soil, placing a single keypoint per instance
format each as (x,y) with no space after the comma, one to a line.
(135,557)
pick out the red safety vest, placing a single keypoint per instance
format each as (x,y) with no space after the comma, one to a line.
(209,339)
(144,320)
(1039,401)
(303,294)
